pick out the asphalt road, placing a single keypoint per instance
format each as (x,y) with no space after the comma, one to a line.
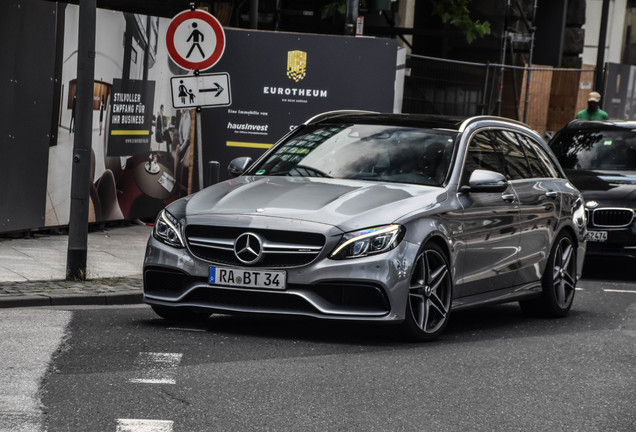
(123,369)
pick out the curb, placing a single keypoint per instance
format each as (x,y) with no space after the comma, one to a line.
(71,300)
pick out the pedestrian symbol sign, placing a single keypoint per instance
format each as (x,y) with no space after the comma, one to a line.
(189,91)
(195,40)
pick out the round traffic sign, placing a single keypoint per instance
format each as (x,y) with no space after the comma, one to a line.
(195,40)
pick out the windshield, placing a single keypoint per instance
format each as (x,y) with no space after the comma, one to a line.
(597,150)
(367,152)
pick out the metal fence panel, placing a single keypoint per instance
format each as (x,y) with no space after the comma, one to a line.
(441,86)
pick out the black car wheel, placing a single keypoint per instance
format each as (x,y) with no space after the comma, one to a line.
(558,281)
(179,314)
(429,300)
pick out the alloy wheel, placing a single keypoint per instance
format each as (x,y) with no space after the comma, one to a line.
(564,273)
(430,292)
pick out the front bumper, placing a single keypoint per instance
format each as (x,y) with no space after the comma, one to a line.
(373,288)
(620,243)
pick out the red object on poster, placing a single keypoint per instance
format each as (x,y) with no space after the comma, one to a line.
(195,40)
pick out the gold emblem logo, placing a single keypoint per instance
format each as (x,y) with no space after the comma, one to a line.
(296,65)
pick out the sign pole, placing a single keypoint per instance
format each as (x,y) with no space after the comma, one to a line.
(191,157)
(82,144)
(199,148)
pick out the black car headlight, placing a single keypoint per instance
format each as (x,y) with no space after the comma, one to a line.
(168,230)
(369,241)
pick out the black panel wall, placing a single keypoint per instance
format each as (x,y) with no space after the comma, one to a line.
(27,29)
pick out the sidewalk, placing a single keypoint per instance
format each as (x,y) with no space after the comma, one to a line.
(33,270)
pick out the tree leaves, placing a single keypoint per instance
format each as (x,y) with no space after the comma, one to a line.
(456,13)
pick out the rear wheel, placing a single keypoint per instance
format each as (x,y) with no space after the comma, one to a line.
(430,293)
(558,281)
(179,314)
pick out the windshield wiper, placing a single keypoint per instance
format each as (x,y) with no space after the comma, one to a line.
(305,171)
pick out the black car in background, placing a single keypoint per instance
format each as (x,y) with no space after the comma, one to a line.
(599,158)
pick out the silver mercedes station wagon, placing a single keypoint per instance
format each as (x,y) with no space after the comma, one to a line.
(391,218)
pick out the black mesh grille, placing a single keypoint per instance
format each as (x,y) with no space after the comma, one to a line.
(162,281)
(227,256)
(225,298)
(351,295)
(612,217)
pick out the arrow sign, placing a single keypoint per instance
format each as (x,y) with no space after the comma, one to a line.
(218,89)
(190,91)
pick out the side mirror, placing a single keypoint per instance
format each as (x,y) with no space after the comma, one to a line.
(485,181)
(238,166)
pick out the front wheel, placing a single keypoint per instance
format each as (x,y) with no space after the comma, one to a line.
(558,281)
(430,294)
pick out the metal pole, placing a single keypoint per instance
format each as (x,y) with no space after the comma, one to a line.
(533,31)
(485,90)
(514,82)
(503,57)
(600,55)
(214,170)
(350,17)
(253,14)
(199,149)
(81,169)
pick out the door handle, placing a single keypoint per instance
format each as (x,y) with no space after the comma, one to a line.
(552,194)
(508,197)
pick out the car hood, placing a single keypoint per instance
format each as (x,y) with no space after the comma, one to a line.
(606,186)
(347,204)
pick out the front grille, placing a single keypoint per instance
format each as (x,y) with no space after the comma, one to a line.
(281,249)
(612,217)
(347,298)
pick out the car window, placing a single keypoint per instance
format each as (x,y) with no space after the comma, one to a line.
(597,150)
(481,154)
(365,152)
(515,160)
(539,161)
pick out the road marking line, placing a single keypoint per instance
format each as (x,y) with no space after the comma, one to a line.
(186,329)
(619,291)
(137,425)
(157,368)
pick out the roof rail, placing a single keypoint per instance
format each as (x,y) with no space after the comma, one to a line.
(336,113)
(472,119)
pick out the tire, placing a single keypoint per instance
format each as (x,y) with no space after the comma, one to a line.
(558,281)
(430,295)
(179,314)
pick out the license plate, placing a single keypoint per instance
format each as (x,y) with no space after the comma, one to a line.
(597,236)
(244,278)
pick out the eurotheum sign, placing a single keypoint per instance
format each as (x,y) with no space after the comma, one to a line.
(195,40)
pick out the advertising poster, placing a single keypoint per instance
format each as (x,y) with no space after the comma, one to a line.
(137,134)
(130,120)
(145,148)
(279,80)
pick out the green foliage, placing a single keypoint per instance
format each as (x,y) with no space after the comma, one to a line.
(453,12)
(338,7)
(333,8)
(456,13)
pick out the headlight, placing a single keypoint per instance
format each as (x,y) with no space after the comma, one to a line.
(368,241)
(168,230)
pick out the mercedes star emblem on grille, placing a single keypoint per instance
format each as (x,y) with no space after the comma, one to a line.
(248,248)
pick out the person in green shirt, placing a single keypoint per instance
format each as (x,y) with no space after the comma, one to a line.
(592,112)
